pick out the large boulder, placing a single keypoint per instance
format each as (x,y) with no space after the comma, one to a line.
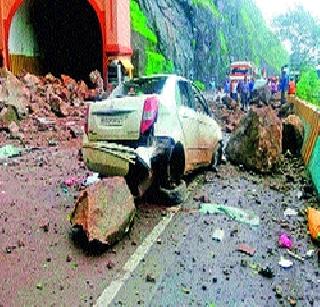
(292,135)
(105,210)
(256,143)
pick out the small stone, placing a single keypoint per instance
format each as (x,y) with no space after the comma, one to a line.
(40,286)
(159,241)
(150,278)
(110,264)
(68,258)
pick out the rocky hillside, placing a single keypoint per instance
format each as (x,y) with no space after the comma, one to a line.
(198,38)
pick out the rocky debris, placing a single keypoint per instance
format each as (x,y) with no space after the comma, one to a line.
(231,118)
(286,109)
(104,210)
(292,134)
(256,143)
(31,104)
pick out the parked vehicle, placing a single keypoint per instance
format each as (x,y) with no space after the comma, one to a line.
(262,91)
(160,124)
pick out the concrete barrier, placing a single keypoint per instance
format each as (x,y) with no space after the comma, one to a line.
(310,115)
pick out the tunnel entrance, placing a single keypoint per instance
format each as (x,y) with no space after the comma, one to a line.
(61,37)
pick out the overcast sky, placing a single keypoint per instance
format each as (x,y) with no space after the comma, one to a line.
(272,8)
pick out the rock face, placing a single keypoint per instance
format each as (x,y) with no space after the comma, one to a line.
(104,210)
(200,37)
(293,132)
(256,143)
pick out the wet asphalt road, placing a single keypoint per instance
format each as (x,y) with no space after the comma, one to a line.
(185,267)
(189,268)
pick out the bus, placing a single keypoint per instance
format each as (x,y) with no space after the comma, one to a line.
(240,69)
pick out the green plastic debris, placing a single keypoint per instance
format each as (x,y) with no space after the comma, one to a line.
(236,214)
(9,151)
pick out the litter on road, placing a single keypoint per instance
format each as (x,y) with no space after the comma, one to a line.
(218,234)
(290,212)
(91,179)
(285,263)
(314,223)
(9,151)
(285,241)
(236,214)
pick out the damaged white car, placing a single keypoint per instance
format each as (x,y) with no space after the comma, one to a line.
(152,130)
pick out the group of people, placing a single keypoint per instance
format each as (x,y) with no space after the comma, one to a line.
(242,90)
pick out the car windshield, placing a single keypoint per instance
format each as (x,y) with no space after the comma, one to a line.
(143,86)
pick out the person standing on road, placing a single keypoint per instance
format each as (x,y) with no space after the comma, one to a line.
(245,95)
(283,85)
(239,90)
(292,87)
(251,86)
(227,88)
(235,90)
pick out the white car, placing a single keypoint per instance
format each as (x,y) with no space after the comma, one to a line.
(160,122)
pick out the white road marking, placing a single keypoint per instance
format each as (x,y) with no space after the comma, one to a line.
(112,290)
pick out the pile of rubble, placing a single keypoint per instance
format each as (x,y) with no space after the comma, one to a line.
(41,111)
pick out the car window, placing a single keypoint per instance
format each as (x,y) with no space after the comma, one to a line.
(152,85)
(200,102)
(187,98)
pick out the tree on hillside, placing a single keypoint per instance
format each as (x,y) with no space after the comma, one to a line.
(302,30)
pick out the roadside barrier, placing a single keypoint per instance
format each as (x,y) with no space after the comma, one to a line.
(310,115)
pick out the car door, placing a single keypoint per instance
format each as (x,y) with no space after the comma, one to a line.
(207,141)
(189,122)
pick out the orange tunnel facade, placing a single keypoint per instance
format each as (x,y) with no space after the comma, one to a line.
(24,44)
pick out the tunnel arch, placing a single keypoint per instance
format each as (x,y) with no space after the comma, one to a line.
(99,23)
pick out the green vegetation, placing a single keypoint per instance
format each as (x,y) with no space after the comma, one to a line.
(156,63)
(302,30)
(208,4)
(308,87)
(139,23)
(223,43)
(262,43)
(200,85)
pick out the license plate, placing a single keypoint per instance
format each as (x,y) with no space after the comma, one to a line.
(111,121)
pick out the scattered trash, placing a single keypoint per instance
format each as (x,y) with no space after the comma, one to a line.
(218,234)
(285,263)
(285,241)
(91,179)
(9,151)
(246,249)
(70,181)
(310,253)
(314,223)
(290,212)
(236,214)
(292,254)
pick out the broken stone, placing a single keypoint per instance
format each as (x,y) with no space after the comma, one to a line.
(104,210)
(150,278)
(257,142)
(266,272)
(246,249)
